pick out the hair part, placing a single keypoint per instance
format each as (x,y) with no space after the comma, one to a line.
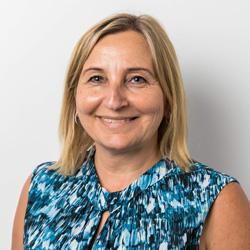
(172,135)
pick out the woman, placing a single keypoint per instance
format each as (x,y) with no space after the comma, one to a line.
(125,179)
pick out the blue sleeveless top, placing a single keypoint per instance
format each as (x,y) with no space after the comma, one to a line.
(165,208)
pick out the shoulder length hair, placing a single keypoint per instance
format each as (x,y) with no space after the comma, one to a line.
(173,129)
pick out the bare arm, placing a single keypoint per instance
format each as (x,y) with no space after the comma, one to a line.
(18,226)
(228,224)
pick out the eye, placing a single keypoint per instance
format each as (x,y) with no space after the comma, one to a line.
(138,79)
(96,79)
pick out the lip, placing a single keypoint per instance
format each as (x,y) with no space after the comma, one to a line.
(116,122)
(118,117)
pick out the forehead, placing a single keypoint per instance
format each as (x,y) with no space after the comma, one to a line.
(128,47)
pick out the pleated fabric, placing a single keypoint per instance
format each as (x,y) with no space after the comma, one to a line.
(165,208)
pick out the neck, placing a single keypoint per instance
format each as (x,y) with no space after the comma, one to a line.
(117,170)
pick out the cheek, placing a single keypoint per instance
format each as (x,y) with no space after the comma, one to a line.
(153,104)
(86,101)
(156,112)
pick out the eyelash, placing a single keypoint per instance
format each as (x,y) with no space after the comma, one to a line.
(140,77)
(91,79)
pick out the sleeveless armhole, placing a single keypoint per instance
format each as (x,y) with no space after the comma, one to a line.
(36,175)
(213,184)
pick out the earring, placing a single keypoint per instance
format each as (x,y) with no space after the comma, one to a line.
(75,118)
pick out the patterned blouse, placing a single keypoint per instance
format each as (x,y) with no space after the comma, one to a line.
(165,208)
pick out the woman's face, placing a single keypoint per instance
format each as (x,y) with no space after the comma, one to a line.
(118,100)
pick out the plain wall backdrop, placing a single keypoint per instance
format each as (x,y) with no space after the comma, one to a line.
(212,41)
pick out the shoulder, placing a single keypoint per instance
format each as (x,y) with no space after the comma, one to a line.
(43,175)
(227,216)
(228,223)
(203,181)
(42,169)
(18,224)
(206,177)
(200,185)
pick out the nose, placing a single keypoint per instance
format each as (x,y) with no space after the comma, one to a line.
(116,98)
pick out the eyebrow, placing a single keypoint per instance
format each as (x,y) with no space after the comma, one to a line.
(133,69)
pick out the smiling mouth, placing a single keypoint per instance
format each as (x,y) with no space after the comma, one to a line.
(116,121)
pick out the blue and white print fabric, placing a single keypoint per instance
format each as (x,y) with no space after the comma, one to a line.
(165,208)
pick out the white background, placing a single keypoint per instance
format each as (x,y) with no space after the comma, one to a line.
(212,40)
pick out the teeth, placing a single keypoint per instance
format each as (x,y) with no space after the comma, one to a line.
(116,120)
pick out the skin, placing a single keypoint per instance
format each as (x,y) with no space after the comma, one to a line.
(228,224)
(120,108)
(116,92)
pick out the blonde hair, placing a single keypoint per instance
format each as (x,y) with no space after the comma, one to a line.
(173,129)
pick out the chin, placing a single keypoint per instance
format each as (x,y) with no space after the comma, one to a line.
(117,146)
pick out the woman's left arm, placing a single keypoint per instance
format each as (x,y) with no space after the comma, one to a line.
(228,224)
